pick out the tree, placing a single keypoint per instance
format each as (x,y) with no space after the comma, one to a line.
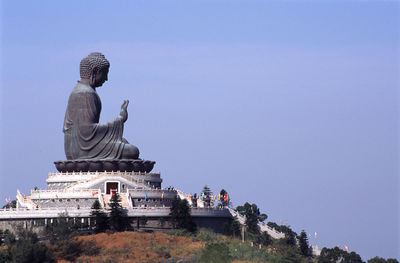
(207,195)
(12,204)
(100,218)
(28,249)
(303,243)
(7,238)
(382,260)
(232,228)
(352,257)
(118,219)
(62,228)
(253,217)
(70,249)
(180,215)
(264,239)
(329,255)
(290,235)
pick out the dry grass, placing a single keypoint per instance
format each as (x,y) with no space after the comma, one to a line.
(139,247)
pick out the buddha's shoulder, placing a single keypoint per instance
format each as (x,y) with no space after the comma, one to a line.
(81,88)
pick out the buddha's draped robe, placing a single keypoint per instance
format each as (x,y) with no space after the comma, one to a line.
(84,136)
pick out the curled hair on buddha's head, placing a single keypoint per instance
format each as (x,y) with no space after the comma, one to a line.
(94,61)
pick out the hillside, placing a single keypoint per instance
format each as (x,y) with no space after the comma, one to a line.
(174,246)
(160,247)
(138,247)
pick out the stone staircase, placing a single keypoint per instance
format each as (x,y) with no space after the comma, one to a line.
(25,201)
(185,196)
(263,227)
(125,202)
(106,199)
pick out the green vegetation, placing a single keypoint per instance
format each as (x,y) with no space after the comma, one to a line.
(217,252)
(70,249)
(100,219)
(232,229)
(303,244)
(180,215)
(11,204)
(62,228)
(290,235)
(329,255)
(382,260)
(220,248)
(25,249)
(253,217)
(64,240)
(118,219)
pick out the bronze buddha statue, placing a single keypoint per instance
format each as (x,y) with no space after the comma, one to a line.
(84,136)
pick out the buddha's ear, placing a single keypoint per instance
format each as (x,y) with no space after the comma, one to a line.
(93,78)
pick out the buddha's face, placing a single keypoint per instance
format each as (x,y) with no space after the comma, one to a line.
(101,77)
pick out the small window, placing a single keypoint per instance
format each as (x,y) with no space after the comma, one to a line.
(77,200)
(60,200)
(139,200)
(53,200)
(68,200)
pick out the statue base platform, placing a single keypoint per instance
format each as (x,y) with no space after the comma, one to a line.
(108,165)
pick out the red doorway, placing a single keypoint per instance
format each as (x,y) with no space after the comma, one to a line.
(111,188)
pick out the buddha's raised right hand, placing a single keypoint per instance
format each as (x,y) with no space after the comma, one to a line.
(124,112)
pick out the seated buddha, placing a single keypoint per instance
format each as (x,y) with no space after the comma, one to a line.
(84,136)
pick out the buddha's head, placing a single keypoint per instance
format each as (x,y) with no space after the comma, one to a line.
(94,68)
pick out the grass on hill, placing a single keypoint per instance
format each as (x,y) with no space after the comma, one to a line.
(175,246)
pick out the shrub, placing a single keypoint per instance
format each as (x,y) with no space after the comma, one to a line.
(205,234)
(28,249)
(264,239)
(215,252)
(71,249)
(89,248)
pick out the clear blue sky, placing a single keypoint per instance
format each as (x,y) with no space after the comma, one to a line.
(291,105)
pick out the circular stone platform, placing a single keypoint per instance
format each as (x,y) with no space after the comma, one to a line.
(108,165)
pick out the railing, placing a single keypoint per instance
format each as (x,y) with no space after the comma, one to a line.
(63,193)
(101,173)
(59,209)
(24,209)
(153,190)
(24,213)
